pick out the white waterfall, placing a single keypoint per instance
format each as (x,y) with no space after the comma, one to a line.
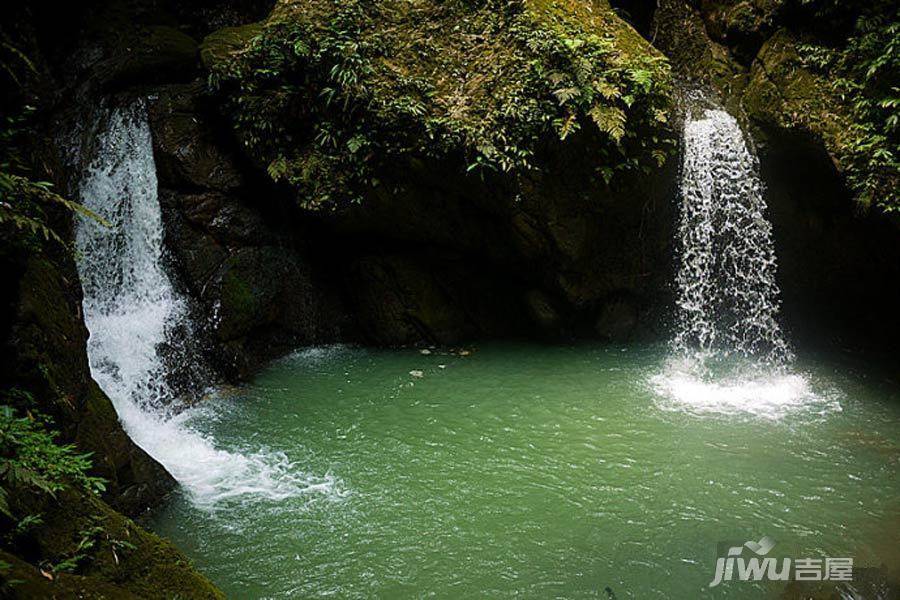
(730,354)
(727,294)
(132,310)
(129,303)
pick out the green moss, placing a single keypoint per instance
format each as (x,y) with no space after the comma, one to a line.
(332,91)
(46,360)
(219,46)
(741,18)
(50,338)
(804,87)
(237,295)
(81,536)
(860,75)
(22,580)
(683,35)
(782,92)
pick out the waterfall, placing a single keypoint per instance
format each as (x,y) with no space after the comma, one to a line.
(133,313)
(130,306)
(730,354)
(727,295)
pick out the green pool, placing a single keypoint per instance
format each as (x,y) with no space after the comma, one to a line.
(535,472)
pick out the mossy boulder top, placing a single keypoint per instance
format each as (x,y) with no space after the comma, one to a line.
(324,91)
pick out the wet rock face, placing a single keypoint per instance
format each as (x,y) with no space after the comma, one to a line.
(452,256)
(231,247)
(839,269)
(186,153)
(432,254)
(44,354)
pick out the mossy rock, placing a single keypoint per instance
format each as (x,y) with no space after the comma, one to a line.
(23,580)
(136,481)
(45,355)
(782,94)
(219,46)
(331,93)
(699,60)
(124,560)
(265,302)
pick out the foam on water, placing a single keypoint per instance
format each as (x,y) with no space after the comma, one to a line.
(729,352)
(750,389)
(132,311)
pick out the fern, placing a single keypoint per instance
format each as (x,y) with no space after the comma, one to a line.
(610,120)
(32,459)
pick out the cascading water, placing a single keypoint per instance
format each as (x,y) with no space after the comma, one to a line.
(727,294)
(729,351)
(132,311)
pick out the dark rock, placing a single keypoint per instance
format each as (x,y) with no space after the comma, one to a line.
(265,302)
(698,60)
(196,252)
(152,54)
(542,312)
(184,147)
(838,268)
(742,25)
(222,216)
(220,44)
(401,301)
(44,353)
(148,567)
(617,321)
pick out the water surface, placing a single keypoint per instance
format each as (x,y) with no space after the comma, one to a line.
(536,471)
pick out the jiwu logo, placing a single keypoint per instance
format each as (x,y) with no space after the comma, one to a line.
(756,566)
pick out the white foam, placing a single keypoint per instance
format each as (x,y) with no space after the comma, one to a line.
(750,389)
(316,355)
(131,308)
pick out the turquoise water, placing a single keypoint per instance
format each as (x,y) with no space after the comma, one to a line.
(533,471)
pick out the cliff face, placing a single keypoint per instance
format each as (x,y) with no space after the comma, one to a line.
(45,375)
(820,68)
(61,538)
(512,178)
(433,172)
(459,170)
(44,354)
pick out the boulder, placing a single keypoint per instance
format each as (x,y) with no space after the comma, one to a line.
(122,560)
(617,321)
(221,44)
(185,148)
(148,54)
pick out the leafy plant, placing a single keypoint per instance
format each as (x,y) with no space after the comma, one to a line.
(30,457)
(89,542)
(864,71)
(24,202)
(332,92)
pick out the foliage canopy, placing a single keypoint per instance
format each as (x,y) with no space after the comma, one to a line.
(328,90)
